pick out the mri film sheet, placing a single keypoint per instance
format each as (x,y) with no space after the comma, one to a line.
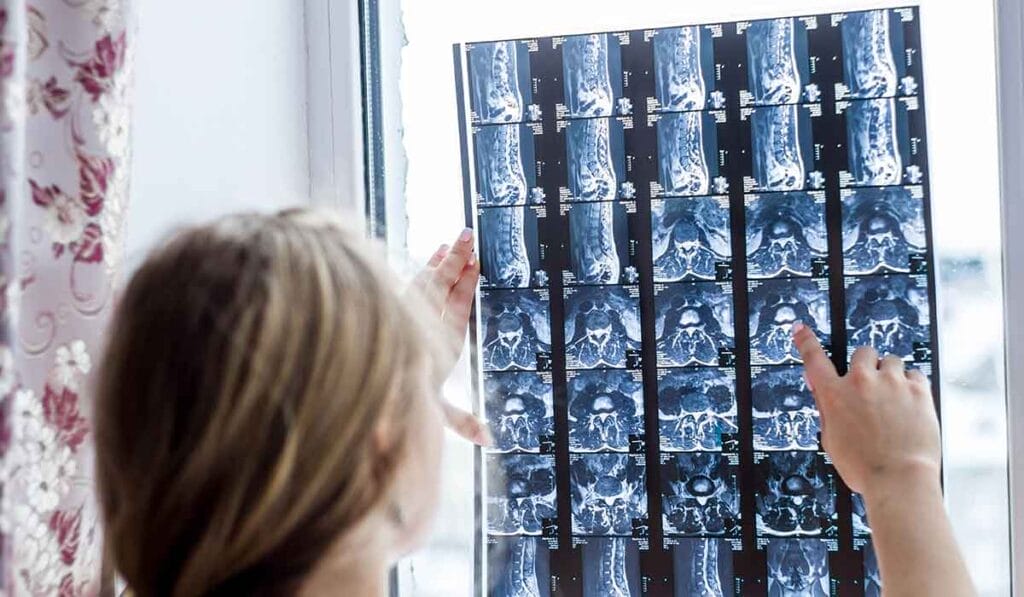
(518,567)
(602,327)
(890,313)
(601,243)
(700,495)
(521,495)
(516,330)
(595,153)
(691,239)
(786,235)
(775,306)
(696,409)
(609,494)
(778,63)
(519,409)
(782,156)
(611,566)
(703,567)
(684,70)
(688,163)
(501,89)
(606,411)
(784,414)
(694,324)
(880,150)
(795,495)
(884,231)
(510,248)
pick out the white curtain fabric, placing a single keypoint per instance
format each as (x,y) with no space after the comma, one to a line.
(65,72)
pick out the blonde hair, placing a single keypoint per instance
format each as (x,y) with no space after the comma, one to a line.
(248,361)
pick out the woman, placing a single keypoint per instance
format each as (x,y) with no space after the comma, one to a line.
(269,419)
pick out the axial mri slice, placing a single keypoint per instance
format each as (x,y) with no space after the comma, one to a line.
(888,313)
(798,568)
(785,416)
(520,494)
(516,329)
(694,324)
(785,235)
(700,495)
(609,493)
(695,408)
(775,306)
(883,230)
(690,237)
(606,410)
(519,407)
(795,496)
(602,327)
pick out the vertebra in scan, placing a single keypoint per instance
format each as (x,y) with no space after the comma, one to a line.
(494,75)
(694,324)
(611,567)
(602,327)
(795,495)
(786,235)
(687,148)
(507,243)
(597,239)
(775,306)
(606,409)
(869,63)
(682,84)
(594,149)
(798,568)
(875,155)
(695,407)
(588,83)
(890,314)
(505,168)
(872,576)
(520,493)
(518,567)
(780,135)
(701,495)
(774,73)
(690,238)
(703,568)
(785,417)
(609,493)
(519,407)
(883,230)
(516,329)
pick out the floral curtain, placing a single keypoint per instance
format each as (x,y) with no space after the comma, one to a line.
(65,67)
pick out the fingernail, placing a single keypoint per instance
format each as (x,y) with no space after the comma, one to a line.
(442,250)
(472,259)
(467,233)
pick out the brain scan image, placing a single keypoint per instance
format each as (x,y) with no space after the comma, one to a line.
(877,134)
(889,313)
(508,247)
(505,166)
(691,238)
(700,495)
(775,305)
(785,417)
(598,242)
(520,493)
(703,568)
(684,69)
(687,153)
(609,494)
(872,577)
(519,408)
(602,327)
(872,54)
(883,230)
(595,150)
(860,516)
(777,55)
(519,567)
(786,235)
(611,567)
(695,407)
(606,409)
(694,324)
(516,329)
(798,568)
(782,148)
(795,495)
(592,68)
(499,82)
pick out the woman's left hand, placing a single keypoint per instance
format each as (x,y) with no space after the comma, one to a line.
(449,282)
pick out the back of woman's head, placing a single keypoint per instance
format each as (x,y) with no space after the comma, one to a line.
(247,363)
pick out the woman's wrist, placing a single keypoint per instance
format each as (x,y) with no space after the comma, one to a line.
(898,479)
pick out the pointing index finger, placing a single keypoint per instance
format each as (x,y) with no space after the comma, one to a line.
(817,366)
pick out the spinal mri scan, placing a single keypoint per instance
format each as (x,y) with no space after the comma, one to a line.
(589,89)
(798,568)
(602,327)
(516,329)
(519,567)
(691,238)
(888,313)
(785,417)
(876,157)
(521,493)
(700,495)
(694,324)
(785,235)
(597,241)
(606,409)
(685,142)
(703,568)
(775,305)
(611,567)
(519,409)
(883,230)
(869,60)
(781,162)
(679,71)
(504,254)
(497,95)
(695,408)
(609,494)
(775,74)
(795,495)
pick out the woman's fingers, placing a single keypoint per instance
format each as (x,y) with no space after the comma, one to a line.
(448,271)
(460,300)
(864,357)
(818,368)
(467,425)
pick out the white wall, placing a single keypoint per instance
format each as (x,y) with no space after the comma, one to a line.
(220,113)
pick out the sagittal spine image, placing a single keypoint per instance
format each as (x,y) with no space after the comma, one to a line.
(872,132)
(611,567)
(501,164)
(606,408)
(889,313)
(519,407)
(869,63)
(494,82)
(786,235)
(521,493)
(683,150)
(774,68)
(785,417)
(602,327)
(519,567)
(592,172)
(703,568)
(588,83)
(883,229)
(694,324)
(679,69)
(695,407)
(609,494)
(516,329)
(775,305)
(701,495)
(872,577)
(778,144)
(595,250)
(504,258)
(798,568)
(860,516)
(795,496)
(690,237)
